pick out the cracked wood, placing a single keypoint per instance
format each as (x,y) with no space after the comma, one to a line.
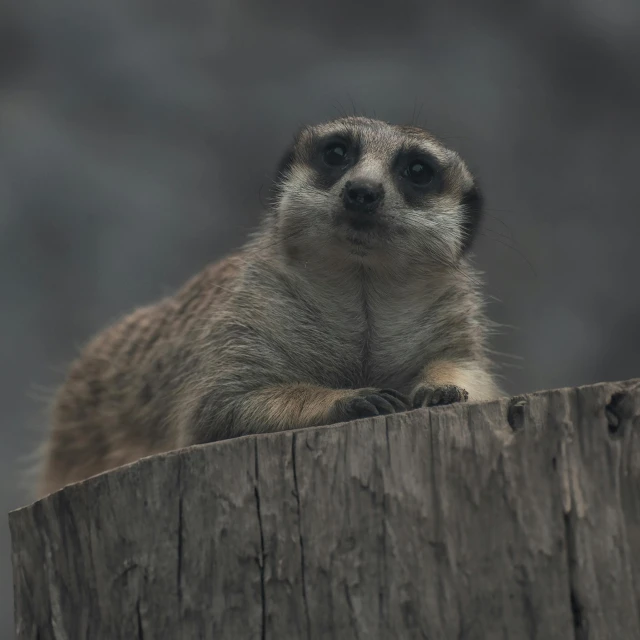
(508,519)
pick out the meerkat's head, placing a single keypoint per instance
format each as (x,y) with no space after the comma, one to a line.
(367,189)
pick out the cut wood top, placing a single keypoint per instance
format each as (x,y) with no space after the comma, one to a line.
(514,519)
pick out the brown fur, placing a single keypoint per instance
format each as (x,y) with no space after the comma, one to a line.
(465,375)
(297,329)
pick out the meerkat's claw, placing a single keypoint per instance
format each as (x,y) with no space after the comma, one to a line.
(399,401)
(370,402)
(425,396)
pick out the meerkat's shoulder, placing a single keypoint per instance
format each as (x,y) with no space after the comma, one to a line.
(214,280)
(163,319)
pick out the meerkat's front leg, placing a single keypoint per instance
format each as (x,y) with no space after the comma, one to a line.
(280,407)
(291,406)
(448,381)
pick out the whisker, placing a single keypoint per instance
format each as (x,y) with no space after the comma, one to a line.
(514,249)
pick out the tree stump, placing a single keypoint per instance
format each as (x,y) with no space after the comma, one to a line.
(512,519)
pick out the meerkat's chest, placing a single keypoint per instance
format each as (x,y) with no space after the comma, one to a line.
(399,336)
(355,341)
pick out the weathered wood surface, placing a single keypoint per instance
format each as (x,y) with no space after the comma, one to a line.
(469,521)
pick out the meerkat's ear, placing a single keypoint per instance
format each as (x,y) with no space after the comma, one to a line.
(284,166)
(473,205)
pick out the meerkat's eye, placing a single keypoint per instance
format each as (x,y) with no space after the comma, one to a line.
(336,154)
(418,172)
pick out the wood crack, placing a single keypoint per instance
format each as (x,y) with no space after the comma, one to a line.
(302,563)
(261,559)
(180,536)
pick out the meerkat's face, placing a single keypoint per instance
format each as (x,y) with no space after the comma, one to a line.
(367,188)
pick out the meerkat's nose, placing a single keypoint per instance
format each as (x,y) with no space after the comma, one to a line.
(362,196)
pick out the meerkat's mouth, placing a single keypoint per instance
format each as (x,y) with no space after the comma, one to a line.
(361,231)
(360,239)
(357,239)
(357,222)
(360,223)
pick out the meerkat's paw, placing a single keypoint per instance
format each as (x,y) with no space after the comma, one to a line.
(369,402)
(426,396)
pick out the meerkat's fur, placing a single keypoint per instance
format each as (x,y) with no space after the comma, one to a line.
(354,298)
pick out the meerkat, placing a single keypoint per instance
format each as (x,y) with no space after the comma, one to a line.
(354,298)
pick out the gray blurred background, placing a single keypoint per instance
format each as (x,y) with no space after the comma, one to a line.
(137,139)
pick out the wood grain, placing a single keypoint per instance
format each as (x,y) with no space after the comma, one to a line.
(511,519)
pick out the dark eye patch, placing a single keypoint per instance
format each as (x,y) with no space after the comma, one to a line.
(336,154)
(418,175)
(331,156)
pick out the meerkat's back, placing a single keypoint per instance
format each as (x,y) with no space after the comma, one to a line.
(116,402)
